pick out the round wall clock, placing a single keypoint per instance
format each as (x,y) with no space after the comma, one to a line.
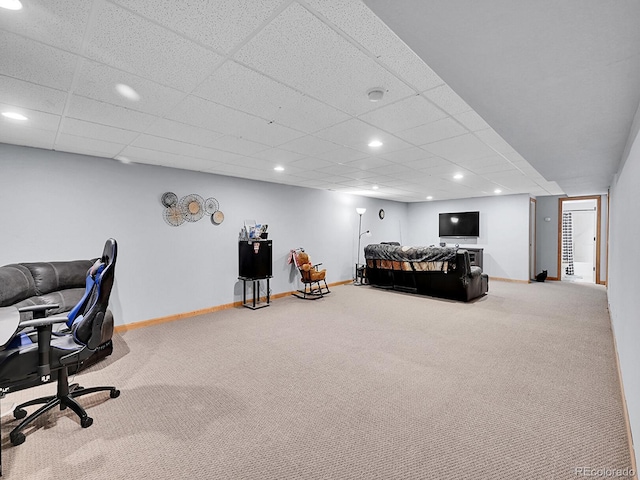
(381,214)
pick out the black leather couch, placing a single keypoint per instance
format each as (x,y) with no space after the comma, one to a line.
(437,271)
(47,283)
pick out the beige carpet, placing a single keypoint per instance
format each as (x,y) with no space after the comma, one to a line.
(363,384)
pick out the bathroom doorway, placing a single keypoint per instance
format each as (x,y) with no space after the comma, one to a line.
(579,239)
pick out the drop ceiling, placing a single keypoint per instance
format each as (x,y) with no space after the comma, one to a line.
(239,87)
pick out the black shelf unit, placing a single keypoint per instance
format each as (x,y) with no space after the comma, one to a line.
(255,263)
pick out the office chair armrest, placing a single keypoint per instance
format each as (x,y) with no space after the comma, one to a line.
(44,327)
(39,311)
(41,322)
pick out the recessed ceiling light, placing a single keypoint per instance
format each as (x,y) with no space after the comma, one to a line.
(375,143)
(375,187)
(429,197)
(458,176)
(279,168)
(497,190)
(11,4)
(127,92)
(14,116)
(375,94)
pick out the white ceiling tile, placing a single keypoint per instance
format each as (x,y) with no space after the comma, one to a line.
(369,163)
(491,138)
(268,133)
(472,120)
(462,148)
(36,119)
(340,73)
(342,155)
(370,32)
(433,132)
(182,132)
(408,113)
(254,163)
(30,137)
(150,142)
(244,89)
(133,44)
(407,155)
(220,25)
(208,115)
(426,163)
(98,81)
(36,63)
(310,163)
(102,113)
(448,100)
(309,145)
(154,157)
(80,128)
(390,169)
(29,95)
(43,20)
(356,134)
(238,145)
(502,167)
(335,169)
(278,155)
(87,146)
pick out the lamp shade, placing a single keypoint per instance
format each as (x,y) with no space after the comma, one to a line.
(360,210)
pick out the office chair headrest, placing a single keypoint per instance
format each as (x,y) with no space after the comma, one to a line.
(110,251)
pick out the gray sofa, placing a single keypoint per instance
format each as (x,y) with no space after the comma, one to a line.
(48,283)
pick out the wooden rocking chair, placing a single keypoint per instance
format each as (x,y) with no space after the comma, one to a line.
(313,280)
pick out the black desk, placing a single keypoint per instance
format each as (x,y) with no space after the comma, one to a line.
(255,282)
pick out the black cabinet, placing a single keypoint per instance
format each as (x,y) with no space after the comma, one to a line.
(255,258)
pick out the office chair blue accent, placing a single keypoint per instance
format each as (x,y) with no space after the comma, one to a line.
(41,355)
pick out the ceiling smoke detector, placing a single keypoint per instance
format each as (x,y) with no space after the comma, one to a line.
(375,94)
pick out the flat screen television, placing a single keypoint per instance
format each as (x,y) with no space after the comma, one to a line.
(460,224)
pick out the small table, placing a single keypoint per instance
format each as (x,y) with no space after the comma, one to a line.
(255,304)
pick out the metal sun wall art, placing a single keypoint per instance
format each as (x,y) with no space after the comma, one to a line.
(189,208)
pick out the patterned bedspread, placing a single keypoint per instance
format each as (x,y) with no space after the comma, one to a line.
(409,254)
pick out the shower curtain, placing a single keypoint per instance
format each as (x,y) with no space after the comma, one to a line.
(567,242)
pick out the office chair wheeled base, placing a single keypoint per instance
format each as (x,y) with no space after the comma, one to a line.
(65,397)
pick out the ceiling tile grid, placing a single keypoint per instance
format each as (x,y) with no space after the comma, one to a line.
(239,87)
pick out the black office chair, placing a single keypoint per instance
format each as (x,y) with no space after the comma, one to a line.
(24,364)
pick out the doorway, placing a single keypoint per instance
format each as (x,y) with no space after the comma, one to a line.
(579,239)
(532,238)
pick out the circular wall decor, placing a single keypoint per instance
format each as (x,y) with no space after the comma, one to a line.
(169,199)
(217,217)
(192,207)
(173,216)
(381,214)
(211,205)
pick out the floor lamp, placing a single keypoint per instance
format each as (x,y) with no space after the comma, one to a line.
(359,211)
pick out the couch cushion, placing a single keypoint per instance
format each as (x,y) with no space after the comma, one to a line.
(53,276)
(16,283)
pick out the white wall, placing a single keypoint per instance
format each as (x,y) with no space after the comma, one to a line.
(504,231)
(624,280)
(60,206)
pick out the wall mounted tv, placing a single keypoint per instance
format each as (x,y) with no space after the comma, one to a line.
(460,224)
